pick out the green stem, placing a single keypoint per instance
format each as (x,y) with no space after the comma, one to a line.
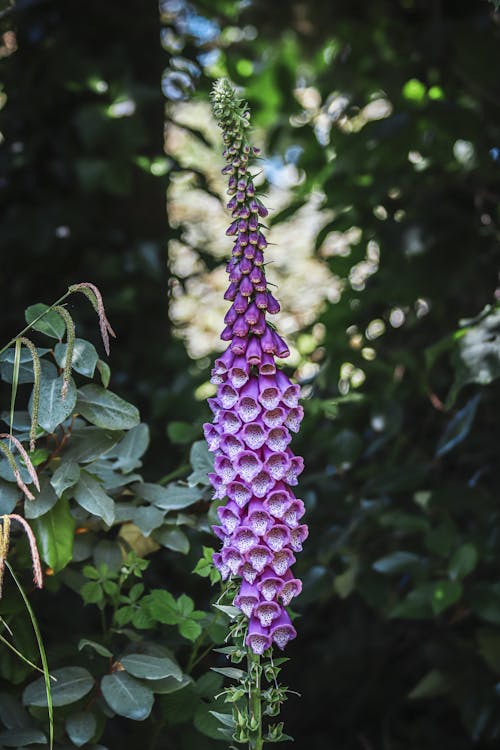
(30,325)
(254,701)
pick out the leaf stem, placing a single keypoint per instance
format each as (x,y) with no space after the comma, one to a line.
(254,701)
(30,325)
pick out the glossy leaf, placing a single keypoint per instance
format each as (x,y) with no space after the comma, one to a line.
(105,409)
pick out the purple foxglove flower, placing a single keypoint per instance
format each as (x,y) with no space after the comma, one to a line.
(258,637)
(255,411)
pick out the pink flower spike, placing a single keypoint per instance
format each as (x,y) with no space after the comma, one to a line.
(247,598)
(277,537)
(262,483)
(281,561)
(254,351)
(267,365)
(229,515)
(277,503)
(254,435)
(294,418)
(243,539)
(247,465)
(229,421)
(270,585)
(232,558)
(227,396)
(239,493)
(294,513)
(223,569)
(298,536)
(278,439)
(260,556)
(274,417)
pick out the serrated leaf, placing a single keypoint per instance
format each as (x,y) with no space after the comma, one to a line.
(127,696)
(71,684)
(54,532)
(81,727)
(190,629)
(51,323)
(150,667)
(88,493)
(105,409)
(53,409)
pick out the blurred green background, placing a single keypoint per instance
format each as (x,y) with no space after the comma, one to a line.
(380,128)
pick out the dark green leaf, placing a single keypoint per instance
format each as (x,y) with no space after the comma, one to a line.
(90,495)
(22,737)
(202,462)
(173,497)
(84,357)
(397,562)
(54,408)
(97,647)
(172,539)
(44,500)
(130,448)
(459,427)
(81,727)
(71,684)
(89,443)
(51,324)
(66,475)
(105,409)
(127,696)
(463,561)
(151,667)
(445,594)
(54,533)
(9,495)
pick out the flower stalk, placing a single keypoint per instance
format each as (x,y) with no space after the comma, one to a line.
(256,410)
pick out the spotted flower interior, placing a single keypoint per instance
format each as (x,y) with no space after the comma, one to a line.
(255,411)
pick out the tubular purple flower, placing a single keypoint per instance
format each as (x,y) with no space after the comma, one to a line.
(255,411)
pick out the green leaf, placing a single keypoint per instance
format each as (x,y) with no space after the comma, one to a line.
(162,606)
(150,667)
(169,685)
(434,683)
(231,672)
(44,500)
(13,715)
(89,443)
(173,497)
(463,561)
(9,495)
(54,533)
(445,594)
(127,696)
(97,647)
(90,495)
(130,449)
(459,427)
(172,538)
(397,562)
(182,433)
(84,357)
(105,409)
(202,462)
(51,324)
(66,475)
(205,721)
(53,408)
(22,737)
(104,372)
(484,599)
(71,684)
(81,727)
(148,518)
